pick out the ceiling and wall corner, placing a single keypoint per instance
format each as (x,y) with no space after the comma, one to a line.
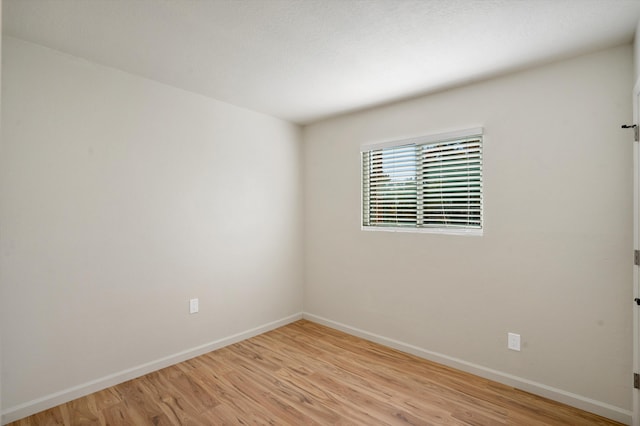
(305,60)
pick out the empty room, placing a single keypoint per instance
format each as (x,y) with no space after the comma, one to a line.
(291,212)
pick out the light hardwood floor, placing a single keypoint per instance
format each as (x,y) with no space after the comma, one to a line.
(307,374)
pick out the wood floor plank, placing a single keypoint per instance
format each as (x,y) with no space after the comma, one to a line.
(267,379)
(124,414)
(308,374)
(231,399)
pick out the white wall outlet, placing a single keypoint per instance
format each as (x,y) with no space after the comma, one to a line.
(193,306)
(513,341)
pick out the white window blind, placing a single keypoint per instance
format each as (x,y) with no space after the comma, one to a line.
(389,186)
(430,182)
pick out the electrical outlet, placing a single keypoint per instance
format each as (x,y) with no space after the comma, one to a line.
(193,306)
(513,341)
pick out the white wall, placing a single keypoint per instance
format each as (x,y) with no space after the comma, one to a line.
(121,199)
(554,263)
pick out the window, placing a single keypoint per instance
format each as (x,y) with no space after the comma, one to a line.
(432,183)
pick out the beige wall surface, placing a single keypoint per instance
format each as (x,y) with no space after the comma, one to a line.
(122,199)
(554,262)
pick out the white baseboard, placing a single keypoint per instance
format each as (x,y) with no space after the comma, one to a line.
(578,401)
(31,407)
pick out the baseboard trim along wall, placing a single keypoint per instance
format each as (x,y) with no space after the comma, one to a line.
(31,407)
(578,401)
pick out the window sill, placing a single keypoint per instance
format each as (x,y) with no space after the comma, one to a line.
(463,232)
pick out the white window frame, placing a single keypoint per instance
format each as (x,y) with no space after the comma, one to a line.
(422,140)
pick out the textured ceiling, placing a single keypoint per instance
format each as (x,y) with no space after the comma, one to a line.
(303,60)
